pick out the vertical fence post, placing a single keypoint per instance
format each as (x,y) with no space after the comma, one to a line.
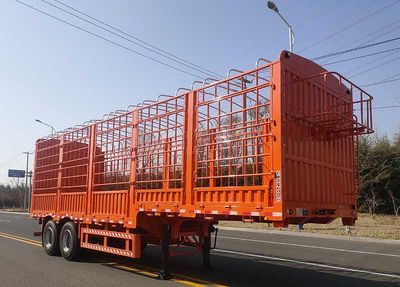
(91,168)
(133,179)
(59,173)
(189,166)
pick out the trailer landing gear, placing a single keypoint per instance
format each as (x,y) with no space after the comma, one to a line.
(165,241)
(206,253)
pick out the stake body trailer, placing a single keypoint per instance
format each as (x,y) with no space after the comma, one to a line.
(274,144)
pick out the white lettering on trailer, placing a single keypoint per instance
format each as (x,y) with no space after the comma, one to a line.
(278,185)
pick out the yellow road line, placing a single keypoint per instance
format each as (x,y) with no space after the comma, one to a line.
(130,268)
(155,275)
(207,283)
(189,283)
(179,278)
(21,240)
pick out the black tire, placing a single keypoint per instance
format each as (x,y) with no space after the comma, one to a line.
(69,242)
(50,238)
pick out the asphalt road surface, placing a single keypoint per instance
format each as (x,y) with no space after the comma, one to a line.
(241,259)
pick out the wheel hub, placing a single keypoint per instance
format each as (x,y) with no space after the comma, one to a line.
(67,241)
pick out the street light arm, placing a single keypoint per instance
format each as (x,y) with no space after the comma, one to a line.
(271,5)
(53,131)
(284,20)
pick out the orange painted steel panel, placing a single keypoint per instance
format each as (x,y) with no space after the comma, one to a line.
(276,143)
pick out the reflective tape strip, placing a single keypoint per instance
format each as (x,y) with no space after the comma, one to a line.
(197,211)
(255,213)
(233,212)
(107,233)
(107,249)
(277,214)
(214,212)
(182,210)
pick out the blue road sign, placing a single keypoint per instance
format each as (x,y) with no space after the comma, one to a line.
(16,173)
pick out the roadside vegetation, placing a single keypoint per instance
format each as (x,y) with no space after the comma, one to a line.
(379,175)
(11,197)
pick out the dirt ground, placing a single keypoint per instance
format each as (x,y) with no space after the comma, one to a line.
(374,226)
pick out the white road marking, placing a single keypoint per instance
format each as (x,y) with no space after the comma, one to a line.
(12,212)
(4,220)
(309,263)
(312,246)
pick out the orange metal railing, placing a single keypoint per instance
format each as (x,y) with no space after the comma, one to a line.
(215,144)
(334,103)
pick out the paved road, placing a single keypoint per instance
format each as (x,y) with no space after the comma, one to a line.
(242,259)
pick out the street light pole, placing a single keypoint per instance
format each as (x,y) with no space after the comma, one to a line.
(53,131)
(30,174)
(26,177)
(273,7)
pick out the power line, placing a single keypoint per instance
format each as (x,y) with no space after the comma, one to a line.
(108,40)
(386,107)
(369,34)
(10,159)
(380,82)
(354,49)
(8,164)
(155,49)
(351,25)
(370,63)
(360,57)
(136,38)
(390,77)
(374,67)
(315,16)
(385,80)
(380,35)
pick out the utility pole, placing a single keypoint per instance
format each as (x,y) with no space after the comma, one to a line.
(26,175)
(30,189)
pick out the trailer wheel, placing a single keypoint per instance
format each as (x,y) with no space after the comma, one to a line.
(50,237)
(69,242)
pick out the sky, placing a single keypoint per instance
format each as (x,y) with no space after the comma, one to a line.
(64,76)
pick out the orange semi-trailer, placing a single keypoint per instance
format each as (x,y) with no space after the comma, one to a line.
(274,144)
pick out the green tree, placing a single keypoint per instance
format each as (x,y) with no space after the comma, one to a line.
(379,175)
